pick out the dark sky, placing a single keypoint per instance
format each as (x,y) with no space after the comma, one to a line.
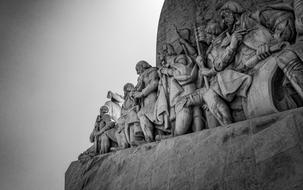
(58,60)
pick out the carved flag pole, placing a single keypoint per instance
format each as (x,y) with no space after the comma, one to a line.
(200,54)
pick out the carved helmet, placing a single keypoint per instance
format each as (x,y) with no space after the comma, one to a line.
(143,64)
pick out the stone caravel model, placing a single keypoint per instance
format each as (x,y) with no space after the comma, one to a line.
(229,68)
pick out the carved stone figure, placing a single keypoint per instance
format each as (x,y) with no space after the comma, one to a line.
(251,42)
(146,95)
(114,105)
(247,53)
(129,131)
(103,124)
(263,45)
(93,150)
(181,71)
(224,84)
(103,110)
(105,136)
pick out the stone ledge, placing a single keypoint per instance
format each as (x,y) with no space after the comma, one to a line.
(261,153)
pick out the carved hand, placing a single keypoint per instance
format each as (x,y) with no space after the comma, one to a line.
(183,102)
(205,107)
(200,62)
(237,37)
(201,33)
(164,71)
(263,52)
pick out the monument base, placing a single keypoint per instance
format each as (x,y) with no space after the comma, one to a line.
(262,153)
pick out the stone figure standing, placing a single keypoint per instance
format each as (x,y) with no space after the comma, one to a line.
(129,130)
(145,94)
(224,84)
(181,71)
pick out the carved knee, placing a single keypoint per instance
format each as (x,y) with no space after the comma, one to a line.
(292,67)
(183,121)
(147,128)
(218,107)
(224,113)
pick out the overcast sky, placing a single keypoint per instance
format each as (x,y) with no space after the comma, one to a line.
(58,59)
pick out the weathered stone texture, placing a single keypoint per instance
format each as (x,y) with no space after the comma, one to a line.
(262,153)
(186,13)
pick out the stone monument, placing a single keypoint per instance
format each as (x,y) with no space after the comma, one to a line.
(224,100)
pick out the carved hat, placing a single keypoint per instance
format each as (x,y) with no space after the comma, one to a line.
(233,7)
(143,64)
(104,109)
(128,86)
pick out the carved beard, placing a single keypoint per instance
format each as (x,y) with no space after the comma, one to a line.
(229,22)
(127,94)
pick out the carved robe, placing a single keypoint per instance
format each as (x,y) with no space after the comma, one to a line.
(227,83)
(148,85)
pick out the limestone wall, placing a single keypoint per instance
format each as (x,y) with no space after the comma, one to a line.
(263,153)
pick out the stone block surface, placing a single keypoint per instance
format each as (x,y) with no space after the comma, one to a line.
(262,153)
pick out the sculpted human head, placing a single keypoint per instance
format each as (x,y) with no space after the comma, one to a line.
(110,94)
(141,66)
(128,88)
(212,30)
(103,110)
(106,118)
(229,12)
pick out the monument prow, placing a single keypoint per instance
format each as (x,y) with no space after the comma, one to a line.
(262,153)
(224,104)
